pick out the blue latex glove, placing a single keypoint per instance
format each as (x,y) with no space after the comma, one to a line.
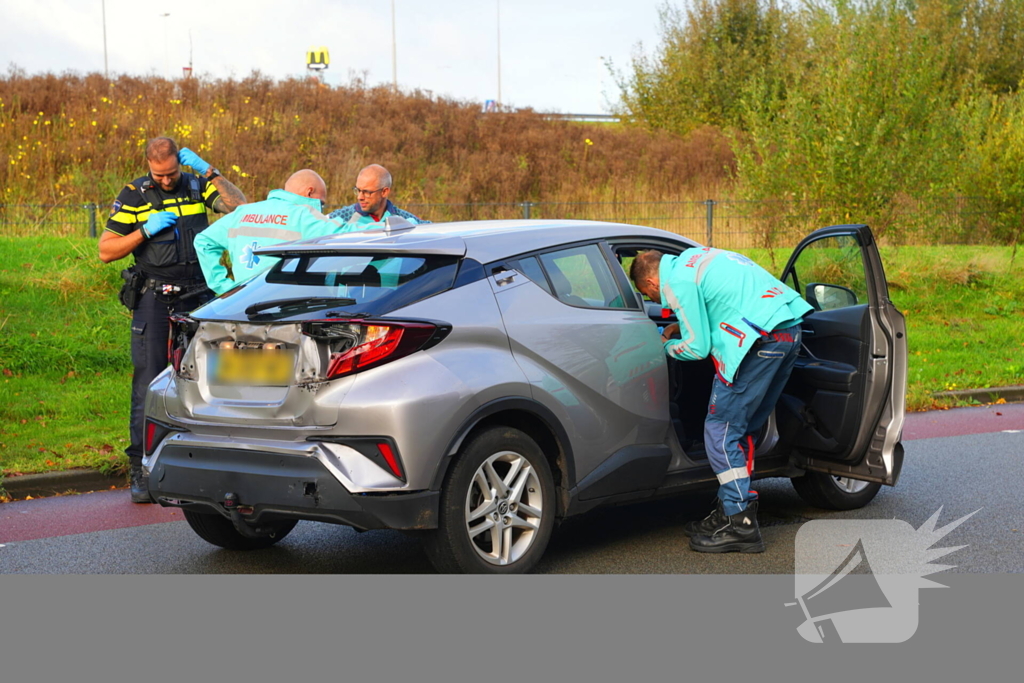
(187,157)
(158,222)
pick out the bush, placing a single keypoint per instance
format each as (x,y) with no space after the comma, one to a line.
(74,139)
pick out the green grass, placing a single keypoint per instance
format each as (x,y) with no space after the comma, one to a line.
(65,368)
(965,316)
(58,423)
(964,307)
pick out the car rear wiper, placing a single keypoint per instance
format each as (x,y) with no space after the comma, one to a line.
(291,305)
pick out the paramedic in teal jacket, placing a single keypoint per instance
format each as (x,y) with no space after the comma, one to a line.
(284,216)
(733,310)
(373,202)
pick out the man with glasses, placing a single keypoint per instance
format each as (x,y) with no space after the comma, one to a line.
(373,206)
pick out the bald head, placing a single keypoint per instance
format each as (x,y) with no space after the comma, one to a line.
(307,183)
(374,174)
(373,187)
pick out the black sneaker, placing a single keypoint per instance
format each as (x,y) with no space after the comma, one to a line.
(139,484)
(706,526)
(738,533)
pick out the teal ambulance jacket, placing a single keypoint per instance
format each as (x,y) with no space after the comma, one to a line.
(282,217)
(724,302)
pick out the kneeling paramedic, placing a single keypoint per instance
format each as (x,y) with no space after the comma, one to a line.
(156,218)
(730,308)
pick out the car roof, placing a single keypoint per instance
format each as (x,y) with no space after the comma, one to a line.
(484,241)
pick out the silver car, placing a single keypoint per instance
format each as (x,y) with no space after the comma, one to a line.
(482,381)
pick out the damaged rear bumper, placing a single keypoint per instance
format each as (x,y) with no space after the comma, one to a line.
(274,485)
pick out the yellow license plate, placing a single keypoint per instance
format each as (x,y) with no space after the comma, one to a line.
(253,367)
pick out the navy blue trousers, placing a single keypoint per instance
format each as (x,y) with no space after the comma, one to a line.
(150,332)
(742,407)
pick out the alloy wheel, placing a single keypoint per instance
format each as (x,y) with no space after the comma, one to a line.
(847,485)
(504,508)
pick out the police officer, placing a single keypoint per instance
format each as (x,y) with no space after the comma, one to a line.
(156,218)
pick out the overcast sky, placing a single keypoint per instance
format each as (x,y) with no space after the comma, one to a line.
(552,51)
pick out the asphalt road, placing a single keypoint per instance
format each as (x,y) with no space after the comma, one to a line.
(961,460)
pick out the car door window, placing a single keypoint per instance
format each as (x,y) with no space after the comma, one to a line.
(829,273)
(530,267)
(580,276)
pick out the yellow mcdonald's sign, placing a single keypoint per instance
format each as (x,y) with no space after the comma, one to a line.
(318,58)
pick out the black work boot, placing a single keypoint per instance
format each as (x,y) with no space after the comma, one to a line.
(139,482)
(706,526)
(737,533)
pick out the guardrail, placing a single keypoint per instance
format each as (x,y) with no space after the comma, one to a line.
(592,118)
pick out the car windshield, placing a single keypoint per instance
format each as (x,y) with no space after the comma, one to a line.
(314,285)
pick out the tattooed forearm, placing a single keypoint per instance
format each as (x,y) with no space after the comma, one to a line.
(230,196)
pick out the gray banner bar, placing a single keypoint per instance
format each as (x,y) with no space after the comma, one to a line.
(532,628)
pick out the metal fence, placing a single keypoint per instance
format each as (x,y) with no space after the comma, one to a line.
(730,224)
(52,219)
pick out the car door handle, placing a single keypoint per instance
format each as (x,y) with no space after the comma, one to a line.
(505,277)
(807,331)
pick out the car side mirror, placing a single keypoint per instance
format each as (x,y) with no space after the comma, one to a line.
(826,297)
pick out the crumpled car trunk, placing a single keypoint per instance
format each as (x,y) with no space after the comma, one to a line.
(275,377)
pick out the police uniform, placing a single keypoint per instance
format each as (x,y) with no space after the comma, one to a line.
(172,281)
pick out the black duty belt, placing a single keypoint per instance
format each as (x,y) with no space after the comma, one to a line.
(182,289)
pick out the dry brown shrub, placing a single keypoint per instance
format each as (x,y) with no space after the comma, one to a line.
(963,273)
(76,139)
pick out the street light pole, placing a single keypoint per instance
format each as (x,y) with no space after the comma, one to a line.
(103,4)
(167,72)
(394,51)
(499,52)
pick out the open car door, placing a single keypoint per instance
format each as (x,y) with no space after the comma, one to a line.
(842,412)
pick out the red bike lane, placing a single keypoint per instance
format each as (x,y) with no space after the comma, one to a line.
(27,520)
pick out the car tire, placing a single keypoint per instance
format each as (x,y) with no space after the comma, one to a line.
(219,531)
(830,492)
(505,528)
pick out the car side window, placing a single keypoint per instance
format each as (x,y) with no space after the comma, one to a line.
(580,276)
(530,267)
(829,273)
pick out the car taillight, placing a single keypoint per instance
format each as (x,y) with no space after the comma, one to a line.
(155,432)
(389,457)
(150,435)
(356,345)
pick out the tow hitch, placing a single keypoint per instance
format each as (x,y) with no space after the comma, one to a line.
(238,521)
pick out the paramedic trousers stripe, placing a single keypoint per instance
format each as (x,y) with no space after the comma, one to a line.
(742,408)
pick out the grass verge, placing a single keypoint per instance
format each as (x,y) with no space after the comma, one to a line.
(964,307)
(65,367)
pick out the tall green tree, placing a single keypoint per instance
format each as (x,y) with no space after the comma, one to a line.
(992,161)
(872,119)
(709,52)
